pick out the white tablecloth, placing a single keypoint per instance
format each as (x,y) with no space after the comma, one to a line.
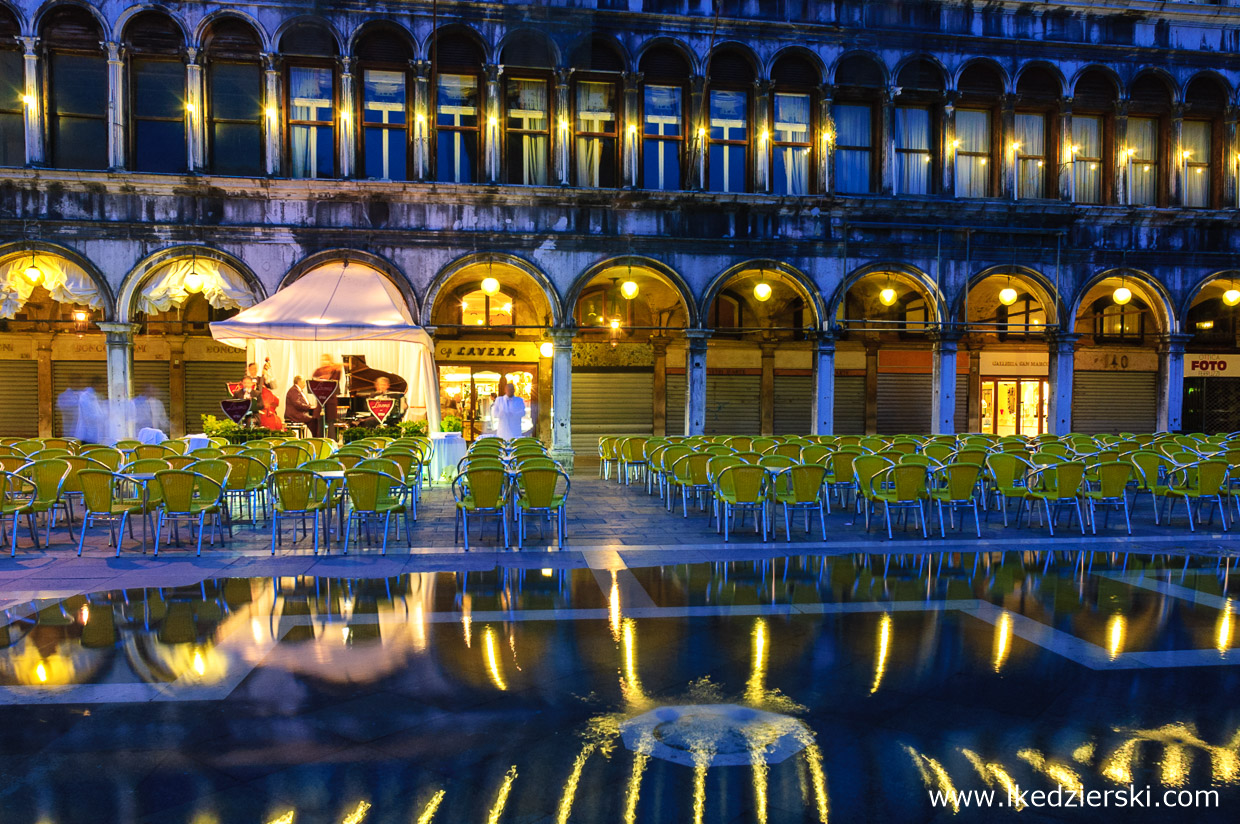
(449,449)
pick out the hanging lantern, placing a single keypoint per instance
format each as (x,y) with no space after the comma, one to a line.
(1232,296)
(80,321)
(33,273)
(193,281)
(546,349)
(615,323)
(762,291)
(1007,295)
(1121,295)
(887,297)
(628,289)
(490,286)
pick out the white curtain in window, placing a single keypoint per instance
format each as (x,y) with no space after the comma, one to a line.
(594,114)
(1143,148)
(529,111)
(310,98)
(852,154)
(1196,137)
(1087,163)
(1031,156)
(792,126)
(65,283)
(972,155)
(222,287)
(912,135)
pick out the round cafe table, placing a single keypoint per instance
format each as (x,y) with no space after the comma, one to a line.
(449,449)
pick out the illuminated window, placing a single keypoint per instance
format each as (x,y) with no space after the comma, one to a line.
(480,309)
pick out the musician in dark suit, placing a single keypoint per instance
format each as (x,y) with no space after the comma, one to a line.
(299,407)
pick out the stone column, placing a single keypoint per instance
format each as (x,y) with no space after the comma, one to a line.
(762,125)
(1177,158)
(176,385)
(824,382)
(490,135)
(1171,382)
(1062,349)
(563,137)
(47,398)
(630,148)
(542,422)
(562,396)
(119,337)
(1007,152)
(116,105)
(33,100)
(949,144)
(659,346)
(348,128)
(695,174)
(943,383)
(195,136)
(271,111)
(766,397)
(975,390)
(421,114)
(695,381)
(1066,179)
(887,142)
(871,387)
(824,148)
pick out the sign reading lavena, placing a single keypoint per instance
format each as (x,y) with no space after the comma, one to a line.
(1015,364)
(1212,366)
(507,351)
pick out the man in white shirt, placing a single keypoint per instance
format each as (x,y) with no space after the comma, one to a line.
(507,412)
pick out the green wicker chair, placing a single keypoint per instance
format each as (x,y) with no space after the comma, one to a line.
(900,487)
(188,496)
(954,486)
(1109,488)
(800,487)
(108,498)
(538,491)
(481,491)
(48,476)
(1056,486)
(1198,483)
(374,495)
(742,487)
(17,497)
(296,493)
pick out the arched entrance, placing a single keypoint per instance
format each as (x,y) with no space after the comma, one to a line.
(1007,312)
(1211,326)
(166,307)
(886,319)
(490,314)
(764,318)
(51,301)
(1122,318)
(629,313)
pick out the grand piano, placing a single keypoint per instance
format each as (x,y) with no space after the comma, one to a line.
(360,383)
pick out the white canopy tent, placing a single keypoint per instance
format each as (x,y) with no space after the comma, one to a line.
(338,309)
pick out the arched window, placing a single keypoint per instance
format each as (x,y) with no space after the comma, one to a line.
(727,312)
(1149,108)
(596,114)
(480,309)
(309,52)
(980,88)
(914,126)
(153,46)
(383,55)
(1206,100)
(234,113)
(457,63)
(1035,138)
(527,65)
(1212,322)
(77,83)
(728,129)
(1093,106)
(1115,323)
(795,80)
(858,81)
(12,94)
(665,78)
(1023,318)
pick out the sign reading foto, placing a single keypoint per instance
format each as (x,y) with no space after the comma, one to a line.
(1015,364)
(1212,366)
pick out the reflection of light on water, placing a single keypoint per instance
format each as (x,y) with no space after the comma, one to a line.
(1175,765)
(756,688)
(1003,639)
(1178,741)
(431,807)
(256,629)
(287,818)
(640,761)
(40,672)
(1118,765)
(699,791)
(488,646)
(570,786)
(632,685)
(200,666)
(1117,628)
(501,798)
(1223,636)
(884,641)
(1061,774)
(1084,753)
(813,757)
(760,770)
(417,623)
(613,608)
(992,772)
(467,619)
(933,775)
(84,615)
(358,814)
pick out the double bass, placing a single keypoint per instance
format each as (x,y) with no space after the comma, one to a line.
(268,402)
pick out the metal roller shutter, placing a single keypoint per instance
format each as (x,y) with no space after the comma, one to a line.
(849,405)
(19,414)
(610,403)
(962,402)
(675,404)
(1112,402)
(903,404)
(732,404)
(151,382)
(206,384)
(76,375)
(794,404)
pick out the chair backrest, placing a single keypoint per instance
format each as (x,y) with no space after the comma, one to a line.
(321,447)
(842,468)
(939,451)
(718,449)
(535,462)
(907,447)
(216,469)
(145,466)
(127,444)
(740,443)
(1006,468)
(106,455)
(606,448)
(1212,477)
(804,481)
(1064,480)
(206,453)
(12,463)
(47,475)
(970,455)
(776,461)
(349,459)
(715,464)
(1113,477)
(47,454)
(323,465)
(761,444)
(1147,467)
(98,489)
(291,453)
(669,456)
(866,467)
(538,485)
(180,488)
(788,450)
(745,483)
(15,488)
(29,447)
(648,448)
(632,449)
(749,457)
(179,447)
(487,487)
(243,472)
(77,463)
(919,460)
(385,465)
(296,489)
(816,454)
(959,479)
(181,461)
(402,458)
(232,448)
(151,450)
(909,481)
(1048,458)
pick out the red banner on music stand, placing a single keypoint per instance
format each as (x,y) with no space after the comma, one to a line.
(236,410)
(233,387)
(323,390)
(380,407)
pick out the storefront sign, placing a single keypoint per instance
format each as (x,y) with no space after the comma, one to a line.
(508,351)
(200,348)
(16,347)
(1104,360)
(1212,366)
(1015,364)
(69,347)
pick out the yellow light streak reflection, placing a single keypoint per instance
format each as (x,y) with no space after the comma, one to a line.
(256,629)
(1179,740)
(200,666)
(993,772)
(884,643)
(1225,628)
(1118,765)
(1003,640)
(1061,774)
(1175,765)
(635,787)
(760,770)
(287,818)
(1117,628)
(755,691)
(501,797)
(467,619)
(934,776)
(1084,753)
(432,806)
(632,685)
(613,608)
(492,657)
(570,786)
(417,619)
(699,792)
(359,813)
(813,757)
(40,672)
